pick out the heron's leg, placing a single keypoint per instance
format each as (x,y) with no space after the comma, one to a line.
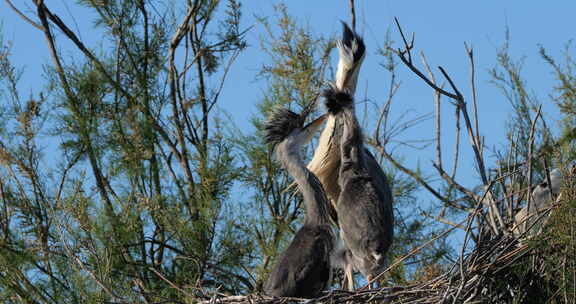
(369,278)
(349,277)
(344,282)
(344,279)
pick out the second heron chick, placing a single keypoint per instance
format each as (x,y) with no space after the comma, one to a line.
(303,270)
(364,205)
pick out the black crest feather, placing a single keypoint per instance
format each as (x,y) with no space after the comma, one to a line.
(280,124)
(348,38)
(336,100)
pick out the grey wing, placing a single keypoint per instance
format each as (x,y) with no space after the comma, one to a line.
(380,182)
(363,217)
(303,270)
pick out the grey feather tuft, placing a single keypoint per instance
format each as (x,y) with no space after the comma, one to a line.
(280,124)
(336,100)
(353,41)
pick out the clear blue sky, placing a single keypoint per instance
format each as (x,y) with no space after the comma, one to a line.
(441,29)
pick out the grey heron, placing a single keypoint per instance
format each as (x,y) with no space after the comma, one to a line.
(325,162)
(364,205)
(542,196)
(304,269)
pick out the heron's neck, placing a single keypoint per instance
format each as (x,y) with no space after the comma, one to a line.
(314,196)
(351,145)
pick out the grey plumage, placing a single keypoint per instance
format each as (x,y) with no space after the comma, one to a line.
(364,206)
(542,196)
(326,160)
(303,270)
(352,51)
(325,163)
(544,193)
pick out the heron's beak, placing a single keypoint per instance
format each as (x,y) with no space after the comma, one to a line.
(311,128)
(314,125)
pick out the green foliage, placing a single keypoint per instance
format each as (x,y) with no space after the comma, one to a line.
(139,202)
(556,248)
(546,276)
(295,75)
(128,210)
(524,121)
(565,98)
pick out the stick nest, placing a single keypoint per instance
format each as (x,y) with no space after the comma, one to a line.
(486,275)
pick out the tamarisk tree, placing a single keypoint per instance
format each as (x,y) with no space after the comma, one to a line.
(128,205)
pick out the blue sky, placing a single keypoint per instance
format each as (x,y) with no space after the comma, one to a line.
(441,29)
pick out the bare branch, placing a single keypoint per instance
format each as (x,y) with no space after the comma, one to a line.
(418,179)
(437,126)
(353,15)
(411,253)
(408,62)
(407,46)
(394,86)
(17,11)
(455,184)
(156,272)
(458,97)
(529,160)
(476,145)
(457,142)
(470,53)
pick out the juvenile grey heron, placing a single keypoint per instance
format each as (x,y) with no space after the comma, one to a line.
(326,160)
(542,196)
(327,157)
(364,205)
(303,270)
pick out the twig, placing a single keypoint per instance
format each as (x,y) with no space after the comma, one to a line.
(353,15)
(411,253)
(386,110)
(444,221)
(405,57)
(17,11)
(457,143)
(170,283)
(529,161)
(470,53)
(417,178)
(468,233)
(437,97)
(408,46)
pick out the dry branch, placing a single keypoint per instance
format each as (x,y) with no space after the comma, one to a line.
(493,258)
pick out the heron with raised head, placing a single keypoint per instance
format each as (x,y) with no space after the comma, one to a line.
(304,269)
(364,205)
(325,163)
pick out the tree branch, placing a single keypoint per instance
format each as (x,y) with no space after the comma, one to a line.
(17,11)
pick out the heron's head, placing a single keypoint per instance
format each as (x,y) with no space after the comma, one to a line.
(353,42)
(287,126)
(351,50)
(336,100)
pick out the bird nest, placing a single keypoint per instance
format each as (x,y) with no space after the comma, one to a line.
(504,266)
(507,264)
(476,278)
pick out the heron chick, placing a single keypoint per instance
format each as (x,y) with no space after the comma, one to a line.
(303,270)
(543,195)
(364,206)
(326,160)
